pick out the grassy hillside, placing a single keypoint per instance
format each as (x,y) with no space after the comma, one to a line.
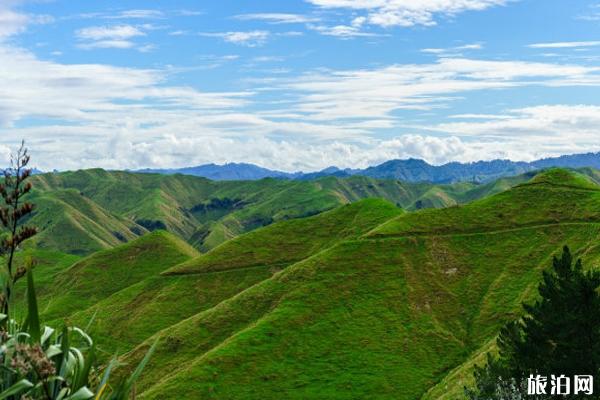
(84,211)
(390,313)
(72,223)
(109,271)
(286,242)
(126,317)
(551,197)
(359,300)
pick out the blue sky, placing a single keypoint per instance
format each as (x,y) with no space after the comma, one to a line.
(297,84)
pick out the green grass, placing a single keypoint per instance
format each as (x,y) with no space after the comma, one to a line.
(48,264)
(390,317)
(72,223)
(122,291)
(550,198)
(128,316)
(361,301)
(286,242)
(85,211)
(109,271)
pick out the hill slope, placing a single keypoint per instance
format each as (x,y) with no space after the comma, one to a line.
(287,242)
(392,312)
(72,223)
(106,272)
(85,211)
(126,317)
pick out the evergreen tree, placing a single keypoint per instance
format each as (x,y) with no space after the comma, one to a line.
(560,334)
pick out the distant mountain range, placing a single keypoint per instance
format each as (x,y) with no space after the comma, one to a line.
(411,170)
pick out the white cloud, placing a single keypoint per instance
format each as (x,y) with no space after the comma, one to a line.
(377,93)
(13,22)
(453,51)
(342,31)
(116,37)
(472,46)
(433,51)
(479,116)
(248,38)
(577,123)
(406,13)
(564,45)
(95,94)
(128,149)
(119,32)
(107,44)
(593,15)
(105,116)
(4,154)
(278,18)
(137,14)
(124,150)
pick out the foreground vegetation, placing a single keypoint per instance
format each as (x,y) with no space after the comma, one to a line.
(40,362)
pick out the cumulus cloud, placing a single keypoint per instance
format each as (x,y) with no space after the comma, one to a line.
(128,149)
(407,13)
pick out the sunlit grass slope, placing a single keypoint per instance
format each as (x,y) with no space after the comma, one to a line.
(385,315)
(106,272)
(290,241)
(71,223)
(551,197)
(47,265)
(136,312)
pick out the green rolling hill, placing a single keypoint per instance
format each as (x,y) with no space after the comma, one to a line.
(85,211)
(284,243)
(132,291)
(109,271)
(72,223)
(364,300)
(399,311)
